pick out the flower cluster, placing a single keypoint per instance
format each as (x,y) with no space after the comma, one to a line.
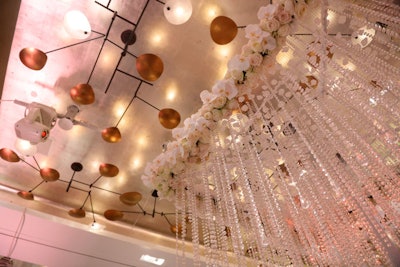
(192,141)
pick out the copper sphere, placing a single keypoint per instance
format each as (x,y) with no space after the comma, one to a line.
(223,30)
(77,213)
(149,66)
(130,198)
(113,215)
(49,175)
(169,118)
(26,195)
(111,135)
(108,170)
(9,155)
(33,58)
(82,94)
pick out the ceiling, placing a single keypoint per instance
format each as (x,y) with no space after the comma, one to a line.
(192,63)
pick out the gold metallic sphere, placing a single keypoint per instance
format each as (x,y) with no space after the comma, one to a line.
(77,213)
(149,66)
(49,175)
(223,30)
(33,58)
(111,135)
(9,155)
(82,94)
(130,198)
(113,215)
(26,195)
(169,118)
(108,170)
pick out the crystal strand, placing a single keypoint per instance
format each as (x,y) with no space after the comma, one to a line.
(232,213)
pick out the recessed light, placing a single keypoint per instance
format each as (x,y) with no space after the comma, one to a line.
(151,259)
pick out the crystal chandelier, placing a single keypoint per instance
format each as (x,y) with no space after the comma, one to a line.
(294,159)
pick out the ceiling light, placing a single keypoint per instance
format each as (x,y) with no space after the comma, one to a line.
(178,11)
(25,147)
(151,259)
(77,25)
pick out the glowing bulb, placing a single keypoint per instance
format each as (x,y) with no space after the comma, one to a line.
(171,94)
(25,147)
(77,25)
(178,11)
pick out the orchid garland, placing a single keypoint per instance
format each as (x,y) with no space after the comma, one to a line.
(192,141)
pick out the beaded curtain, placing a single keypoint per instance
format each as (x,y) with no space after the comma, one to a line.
(305,171)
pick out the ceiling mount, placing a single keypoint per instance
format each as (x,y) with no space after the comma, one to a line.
(76,167)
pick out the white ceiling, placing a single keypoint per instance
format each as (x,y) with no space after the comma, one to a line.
(192,63)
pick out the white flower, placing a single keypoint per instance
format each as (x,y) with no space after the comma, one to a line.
(178,133)
(283,16)
(237,75)
(255,59)
(238,63)
(225,88)
(253,32)
(206,96)
(269,25)
(217,114)
(266,12)
(269,43)
(218,103)
(246,50)
(300,8)
(284,30)
(289,7)
(208,115)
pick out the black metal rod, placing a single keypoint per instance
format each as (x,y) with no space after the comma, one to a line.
(30,191)
(133,76)
(91,206)
(154,207)
(37,164)
(161,2)
(167,220)
(90,186)
(102,46)
(122,48)
(115,70)
(109,9)
(141,99)
(70,181)
(84,202)
(141,208)
(61,48)
(134,96)
(29,164)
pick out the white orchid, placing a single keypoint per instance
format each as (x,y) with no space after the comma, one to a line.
(267,12)
(226,88)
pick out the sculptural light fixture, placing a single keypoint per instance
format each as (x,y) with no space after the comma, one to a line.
(133,198)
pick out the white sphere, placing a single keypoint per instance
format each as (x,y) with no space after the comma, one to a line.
(77,25)
(178,11)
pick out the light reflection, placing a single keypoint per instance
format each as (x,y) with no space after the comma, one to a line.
(142,141)
(283,58)
(210,12)
(171,94)
(118,109)
(157,38)
(136,162)
(224,51)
